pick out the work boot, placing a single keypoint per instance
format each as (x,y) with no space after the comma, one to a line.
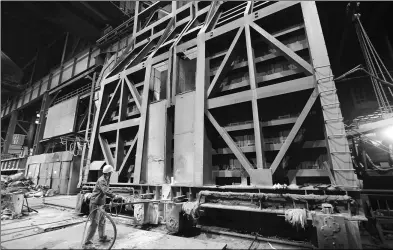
(89,245)
(105,239)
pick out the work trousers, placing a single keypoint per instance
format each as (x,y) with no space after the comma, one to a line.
(97,219)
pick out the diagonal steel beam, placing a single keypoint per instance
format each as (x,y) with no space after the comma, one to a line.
(134,93)
(127,158)
(142,125)
(294,130)
(226,63)
(110,104)
(212,14)
(106,150)
(231,144)
(21,127)
(259,142)
(287,52)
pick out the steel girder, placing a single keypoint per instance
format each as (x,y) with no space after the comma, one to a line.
(242,21)
(321,83)
(129,130)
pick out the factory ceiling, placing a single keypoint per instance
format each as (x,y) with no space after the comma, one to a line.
(28,26)
(25,26)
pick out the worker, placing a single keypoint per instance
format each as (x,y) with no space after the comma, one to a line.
(98,200)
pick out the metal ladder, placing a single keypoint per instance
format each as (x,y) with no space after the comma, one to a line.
(329,108)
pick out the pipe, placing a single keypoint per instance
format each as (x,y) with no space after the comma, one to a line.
(278,241)
(272,195)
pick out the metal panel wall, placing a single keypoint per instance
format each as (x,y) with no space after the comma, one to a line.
(64,177)
(67,72)
(49,172)
(156,136)
(81,65)
(56,176)
(184,139)
(61,118)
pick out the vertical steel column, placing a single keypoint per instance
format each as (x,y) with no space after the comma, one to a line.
(174,6)
(338,148)
(34,67)
(259,142)
(64,50)
(30,133)
(142,123)
(10,131)
(46,100)
(136,18)
(200,106)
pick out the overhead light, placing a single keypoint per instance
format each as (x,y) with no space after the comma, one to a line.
(388,133)
(38,115)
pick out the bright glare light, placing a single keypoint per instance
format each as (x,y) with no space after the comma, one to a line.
(388,133)
(38,115)
(36,121)
(375,143)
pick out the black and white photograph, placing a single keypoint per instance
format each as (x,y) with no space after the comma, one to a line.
(196,124)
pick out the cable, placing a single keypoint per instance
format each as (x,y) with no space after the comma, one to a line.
(252,242)
(371,57)
(376,166)
(271,245)
(110,219)
(360,67)
(357,77)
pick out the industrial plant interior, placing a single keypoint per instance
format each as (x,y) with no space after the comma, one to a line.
(196,125)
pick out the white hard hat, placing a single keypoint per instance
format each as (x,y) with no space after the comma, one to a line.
(107,169)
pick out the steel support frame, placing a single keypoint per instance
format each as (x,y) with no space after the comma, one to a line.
(46,102)
(220,74)
(335,135)
(142,103)
(245,24)
(259,142)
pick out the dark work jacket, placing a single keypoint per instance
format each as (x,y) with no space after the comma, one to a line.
(100,191)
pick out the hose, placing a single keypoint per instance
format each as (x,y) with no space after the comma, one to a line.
(376,166)
(112,222)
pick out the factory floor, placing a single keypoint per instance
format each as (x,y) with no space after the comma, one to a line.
(56,226)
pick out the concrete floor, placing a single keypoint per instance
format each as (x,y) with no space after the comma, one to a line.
(30,232)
